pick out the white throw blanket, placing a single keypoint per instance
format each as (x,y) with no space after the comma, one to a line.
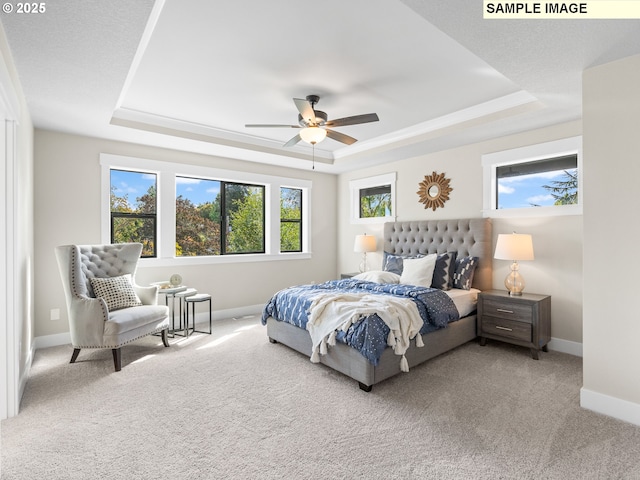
(334,311)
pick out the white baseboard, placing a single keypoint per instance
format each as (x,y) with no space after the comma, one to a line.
(52,340)
(202,316)
(610,406)
(565,346)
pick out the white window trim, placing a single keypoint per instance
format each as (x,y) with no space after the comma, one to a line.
(166,213)
(356,185)
(557,148)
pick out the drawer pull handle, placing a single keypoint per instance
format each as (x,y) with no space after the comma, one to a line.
(504,328)
(502,310)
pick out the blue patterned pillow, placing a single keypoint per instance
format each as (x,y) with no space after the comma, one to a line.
(393,263)
(444,271)
(465,268)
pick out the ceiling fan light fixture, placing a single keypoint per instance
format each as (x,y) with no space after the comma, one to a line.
(313,135)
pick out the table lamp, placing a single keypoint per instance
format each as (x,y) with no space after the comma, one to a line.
(363,244)
(514,247)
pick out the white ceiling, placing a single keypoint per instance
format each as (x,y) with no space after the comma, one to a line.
(189,74)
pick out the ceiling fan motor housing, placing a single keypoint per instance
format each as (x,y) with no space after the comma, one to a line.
(321,119)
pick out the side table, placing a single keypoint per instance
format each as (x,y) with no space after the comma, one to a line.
(171,292)
(520,320)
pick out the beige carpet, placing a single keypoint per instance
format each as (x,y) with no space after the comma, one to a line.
(232,405)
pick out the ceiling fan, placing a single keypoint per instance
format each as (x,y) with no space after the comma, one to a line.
(313,123)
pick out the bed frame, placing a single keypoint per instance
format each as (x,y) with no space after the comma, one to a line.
(465,236)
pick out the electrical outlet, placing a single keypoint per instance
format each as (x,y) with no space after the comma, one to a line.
(55,314)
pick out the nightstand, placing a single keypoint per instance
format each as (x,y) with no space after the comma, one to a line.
(521,320)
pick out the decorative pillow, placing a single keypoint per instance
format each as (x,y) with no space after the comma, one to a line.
(117,292)
(465,268)
(444,271)
(378,276)
(394,263)
(418,271)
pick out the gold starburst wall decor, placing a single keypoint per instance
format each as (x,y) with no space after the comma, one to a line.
(434,190)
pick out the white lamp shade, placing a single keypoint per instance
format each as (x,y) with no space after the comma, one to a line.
(514,246)
(364,243)
(313,135)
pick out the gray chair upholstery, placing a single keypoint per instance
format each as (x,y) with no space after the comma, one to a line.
(91,323)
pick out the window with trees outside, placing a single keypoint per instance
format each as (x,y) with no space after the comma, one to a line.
(133,209)
(541,179)
(373,199)
(180,211)
(290,219)
(217,218)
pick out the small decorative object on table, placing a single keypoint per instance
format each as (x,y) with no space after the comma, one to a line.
(175,280)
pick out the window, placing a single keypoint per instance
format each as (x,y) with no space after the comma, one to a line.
(290,219)
(242,218)
(132,201)
(187,213)
(211,223)
(537,180)
(373,199)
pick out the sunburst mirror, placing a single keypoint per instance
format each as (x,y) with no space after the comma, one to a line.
(434,190)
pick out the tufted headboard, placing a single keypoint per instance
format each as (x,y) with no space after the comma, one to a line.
(467,236)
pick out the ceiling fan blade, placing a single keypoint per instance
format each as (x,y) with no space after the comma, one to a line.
(269,125)
(354,120)
(305,109)
(293,141)
(340,137)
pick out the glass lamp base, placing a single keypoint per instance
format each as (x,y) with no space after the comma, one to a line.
(514,281)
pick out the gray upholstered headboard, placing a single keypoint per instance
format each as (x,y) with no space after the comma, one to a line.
(467,236)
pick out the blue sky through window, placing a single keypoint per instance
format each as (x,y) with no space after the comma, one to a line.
(136,184)
(197,190)
(526,190)
(131,184)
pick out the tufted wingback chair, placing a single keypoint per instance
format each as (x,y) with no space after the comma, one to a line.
(91,323)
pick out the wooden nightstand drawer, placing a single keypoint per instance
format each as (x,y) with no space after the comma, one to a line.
(508,310)
(506,328)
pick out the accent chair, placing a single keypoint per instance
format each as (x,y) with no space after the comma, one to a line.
(106,308)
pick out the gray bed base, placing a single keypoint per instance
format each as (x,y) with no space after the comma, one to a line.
(349,361)
(465,236)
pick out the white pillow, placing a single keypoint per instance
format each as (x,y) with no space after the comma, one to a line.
(418,271)
(378,276)
(117,292)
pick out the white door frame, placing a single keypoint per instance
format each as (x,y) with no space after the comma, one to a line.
(10,324)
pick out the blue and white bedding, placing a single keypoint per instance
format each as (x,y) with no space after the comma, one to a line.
(368,334)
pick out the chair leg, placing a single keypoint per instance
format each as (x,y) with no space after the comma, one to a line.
(117,359)
(165,340)
(74,355)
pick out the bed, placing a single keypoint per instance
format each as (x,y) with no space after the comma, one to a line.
(465,238)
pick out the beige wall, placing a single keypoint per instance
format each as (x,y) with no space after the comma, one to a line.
(67,210)
(611,109)
(557,269)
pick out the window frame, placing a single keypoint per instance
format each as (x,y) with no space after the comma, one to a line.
(293,220)
(530,153)
(355,186)
(166,214)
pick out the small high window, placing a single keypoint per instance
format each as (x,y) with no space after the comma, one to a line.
(373,199)
(537,180)
(541,183)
